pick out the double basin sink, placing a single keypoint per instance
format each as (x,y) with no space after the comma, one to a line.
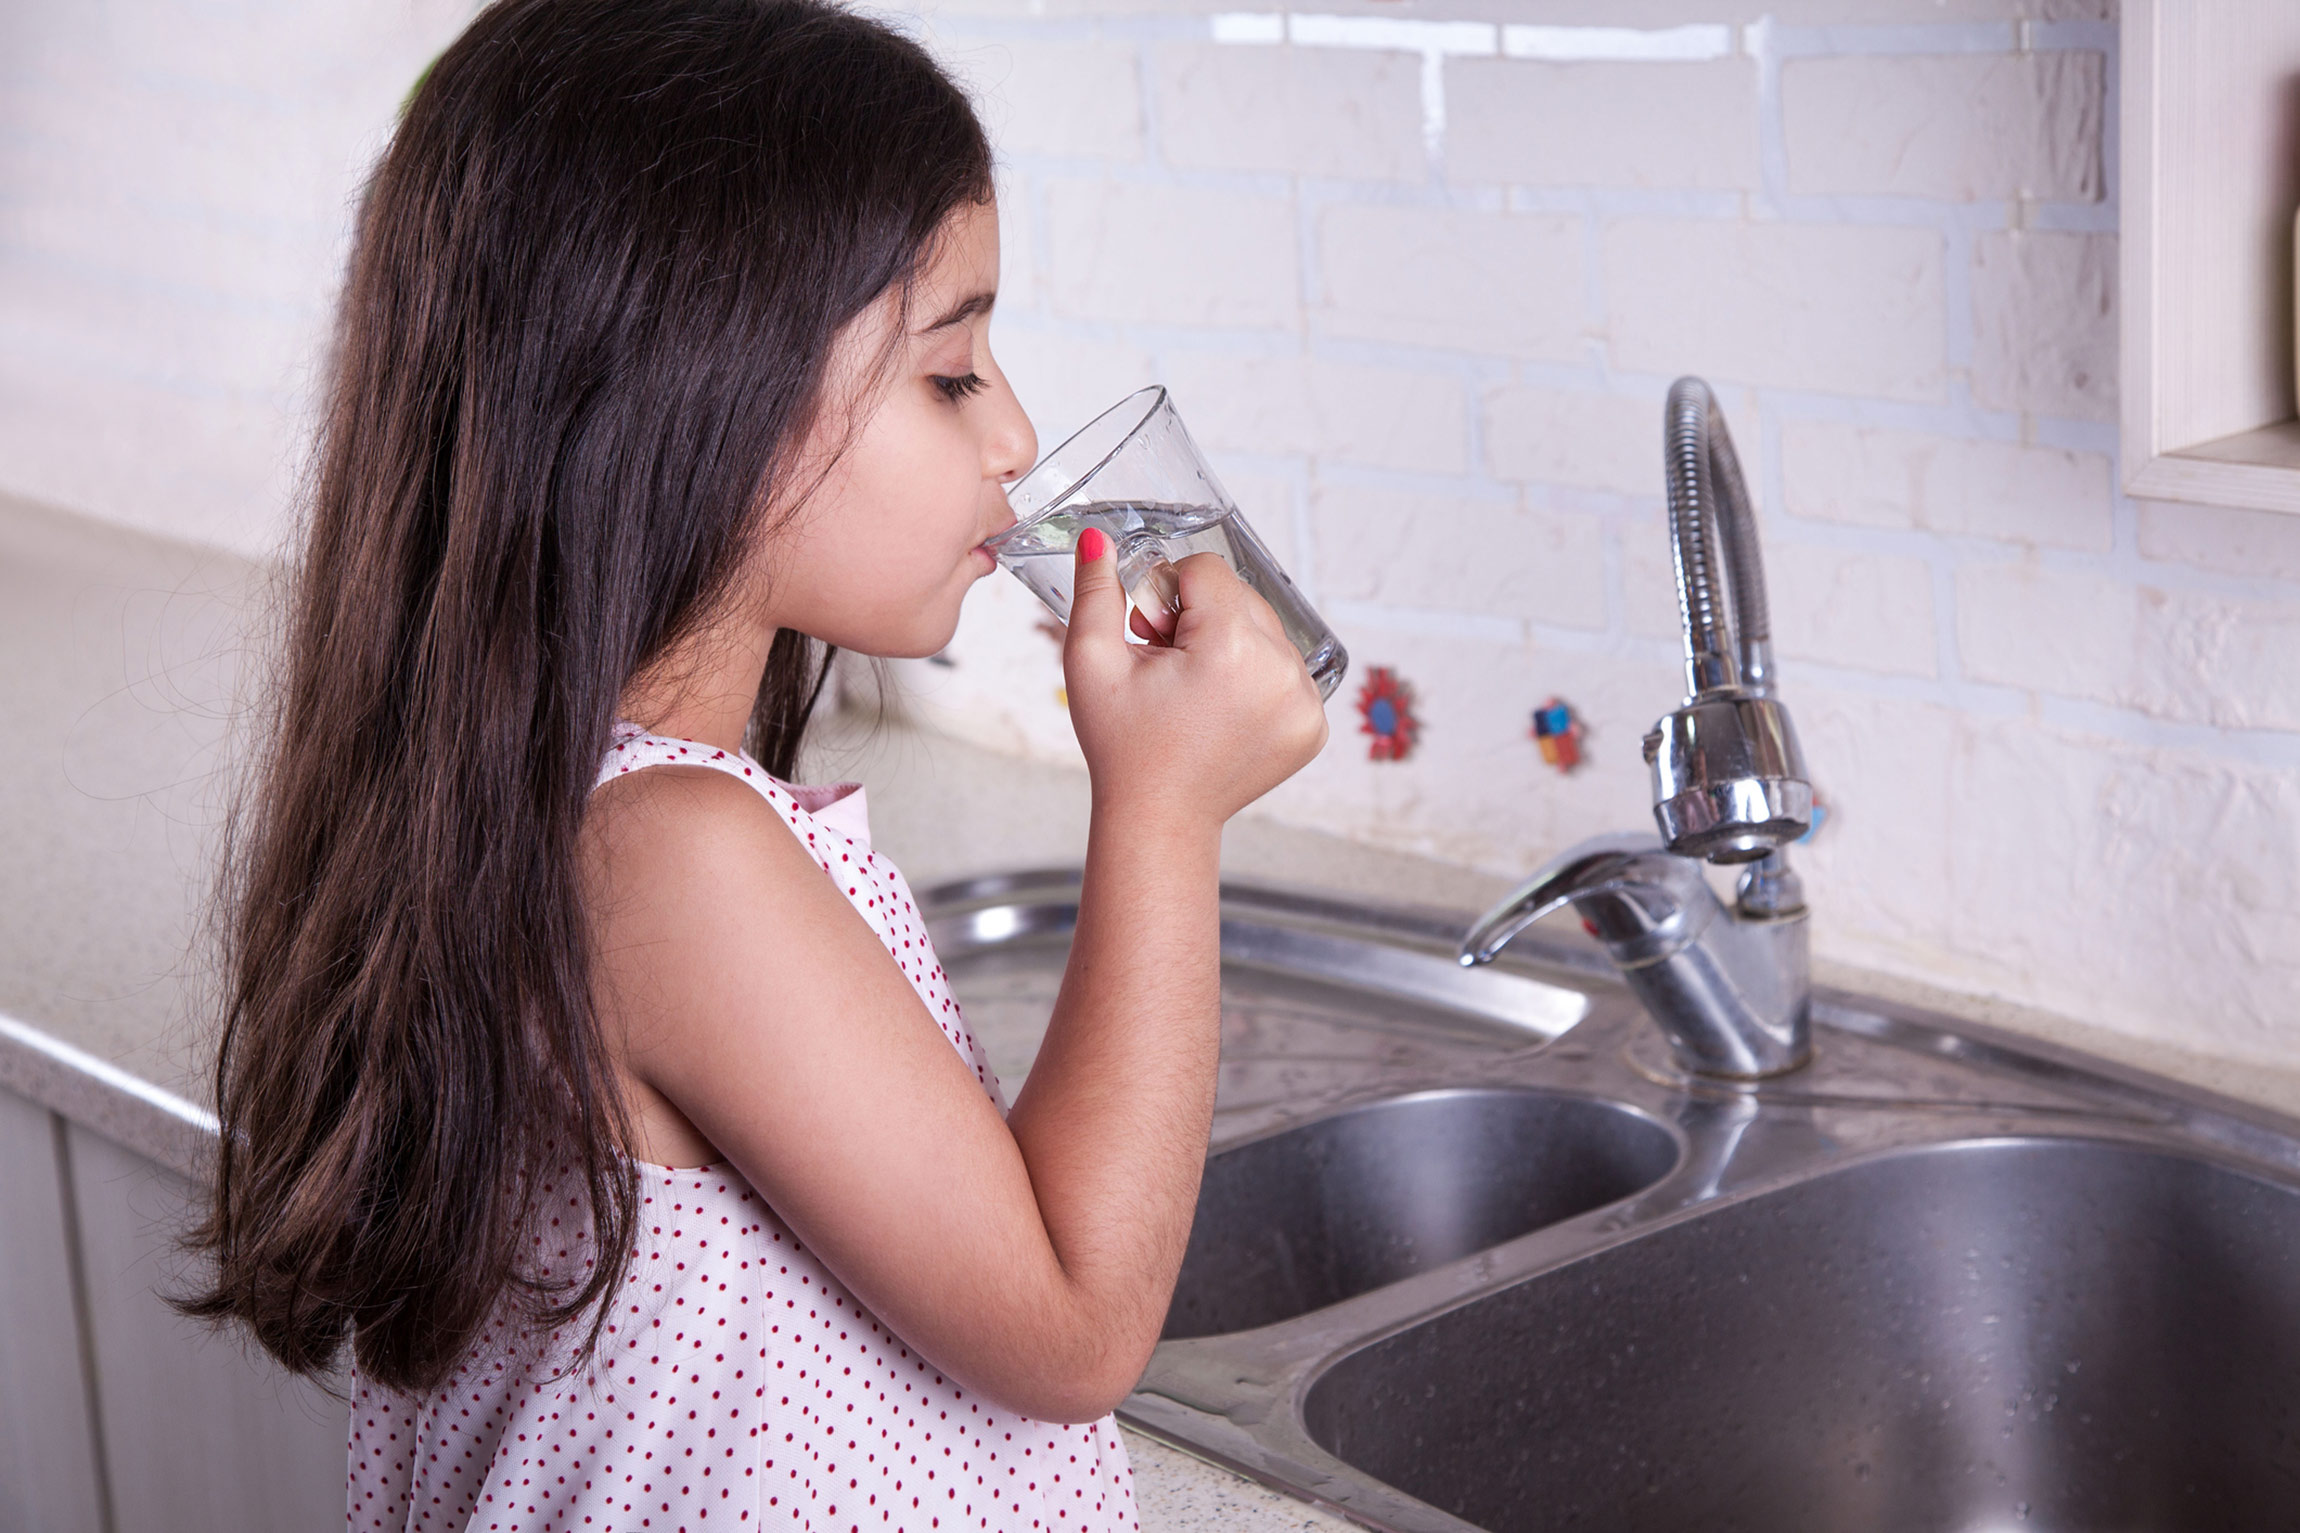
(1471,1253)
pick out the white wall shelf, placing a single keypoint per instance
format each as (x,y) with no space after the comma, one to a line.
(2210,180)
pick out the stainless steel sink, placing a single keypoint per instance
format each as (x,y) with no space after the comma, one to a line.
(1311,1216)
(1484,1257)
(1992,1334)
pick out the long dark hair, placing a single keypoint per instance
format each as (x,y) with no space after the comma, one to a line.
(597,278)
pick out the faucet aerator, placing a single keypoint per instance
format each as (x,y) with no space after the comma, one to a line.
(1729,779)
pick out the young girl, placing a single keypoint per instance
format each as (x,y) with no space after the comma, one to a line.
(599,1087)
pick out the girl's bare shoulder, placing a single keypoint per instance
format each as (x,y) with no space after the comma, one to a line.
(685,831)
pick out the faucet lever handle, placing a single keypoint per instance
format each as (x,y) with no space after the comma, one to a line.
(1652,902)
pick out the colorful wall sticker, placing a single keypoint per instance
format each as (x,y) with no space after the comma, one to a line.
(1385,711)
(1558,733)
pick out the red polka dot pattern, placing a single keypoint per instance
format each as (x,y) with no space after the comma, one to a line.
(737,1384)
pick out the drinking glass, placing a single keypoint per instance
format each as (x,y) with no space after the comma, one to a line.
(1134,473)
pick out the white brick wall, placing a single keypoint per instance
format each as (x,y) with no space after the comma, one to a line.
(1573,437)
(1421,299)
(2044,323)
(1082,99)
(1874,476)
(1126,250)
(2028,125)
(1844,607)
(2232,542)
(1385,417)
(1468,795)
(1593,124)
(1423,276)
(1486,556)
(2056,631)
(1884,229)
(2213,660)
(2180,655)
(1834,307)
(1650,608)
(1873,12)
(1068,381)
(1311,111)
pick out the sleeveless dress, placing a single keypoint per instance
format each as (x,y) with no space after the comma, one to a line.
(738,1384)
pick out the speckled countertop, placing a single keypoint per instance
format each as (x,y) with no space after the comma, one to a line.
(125,664)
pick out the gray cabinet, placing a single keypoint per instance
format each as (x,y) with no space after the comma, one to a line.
(116,1414)
(49,1478)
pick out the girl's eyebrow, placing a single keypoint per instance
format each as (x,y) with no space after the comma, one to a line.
(966,309)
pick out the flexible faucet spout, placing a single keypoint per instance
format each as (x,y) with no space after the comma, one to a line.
(1720,577)
(1729,779)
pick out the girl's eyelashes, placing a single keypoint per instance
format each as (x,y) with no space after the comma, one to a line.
(958,388)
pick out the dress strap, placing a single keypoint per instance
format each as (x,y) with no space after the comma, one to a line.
(634,749)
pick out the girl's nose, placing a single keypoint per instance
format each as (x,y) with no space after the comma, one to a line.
(1012,445)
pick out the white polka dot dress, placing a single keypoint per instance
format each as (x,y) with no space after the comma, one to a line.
(737,1385)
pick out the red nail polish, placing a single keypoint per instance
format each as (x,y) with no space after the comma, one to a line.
(1090,544)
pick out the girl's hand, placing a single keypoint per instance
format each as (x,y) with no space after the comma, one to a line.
(1201,725)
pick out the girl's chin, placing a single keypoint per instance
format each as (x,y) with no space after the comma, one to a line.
(934,621)
(922,642)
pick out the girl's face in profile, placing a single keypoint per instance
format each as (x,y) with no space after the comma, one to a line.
(881,553)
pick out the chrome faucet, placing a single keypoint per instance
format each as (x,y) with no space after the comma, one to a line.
(1731,987)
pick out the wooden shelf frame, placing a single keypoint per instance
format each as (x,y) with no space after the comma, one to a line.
(2208,186)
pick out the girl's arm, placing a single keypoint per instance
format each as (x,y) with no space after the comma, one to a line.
(1030,1258)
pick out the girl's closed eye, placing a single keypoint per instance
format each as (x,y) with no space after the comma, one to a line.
(962,386)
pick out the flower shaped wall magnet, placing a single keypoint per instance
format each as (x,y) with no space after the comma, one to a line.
(1385,711)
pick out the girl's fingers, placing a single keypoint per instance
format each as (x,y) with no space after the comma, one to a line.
(1204,580)
(1157,600)
(1096,601)
(1145,629)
